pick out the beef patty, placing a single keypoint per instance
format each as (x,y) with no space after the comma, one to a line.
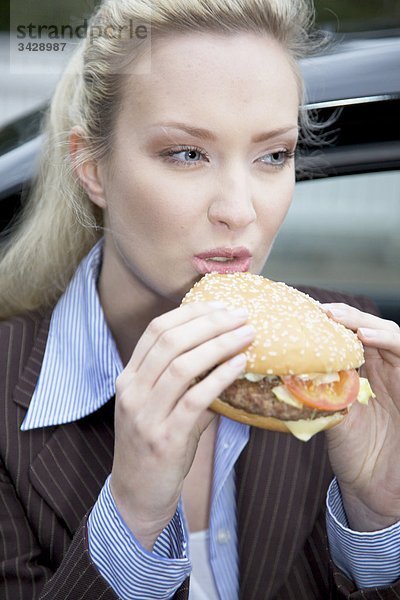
(258,398)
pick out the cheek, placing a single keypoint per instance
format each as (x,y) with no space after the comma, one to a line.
(151,206)
(276,201)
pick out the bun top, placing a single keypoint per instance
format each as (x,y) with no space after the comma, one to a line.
(294,335)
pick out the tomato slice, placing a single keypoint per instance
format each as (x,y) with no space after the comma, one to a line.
(326,396)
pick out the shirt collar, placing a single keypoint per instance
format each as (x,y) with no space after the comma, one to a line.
(81,360)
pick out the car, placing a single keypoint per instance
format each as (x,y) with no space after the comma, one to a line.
(342,231)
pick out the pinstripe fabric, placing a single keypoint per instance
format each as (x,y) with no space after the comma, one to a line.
(289,492)
(84,362)
(41,507)
(44,503)
(223,553)
(116,552)
(386,556)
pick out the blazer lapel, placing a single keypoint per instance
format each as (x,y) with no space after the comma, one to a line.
(73,460)
(72,466)
(37,330)
(281,485)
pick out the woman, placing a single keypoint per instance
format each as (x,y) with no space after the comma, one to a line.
(159,150)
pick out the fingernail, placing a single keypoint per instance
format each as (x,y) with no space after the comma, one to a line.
(367,333)
(335,312)
(238,361)
(217,304)
(245,331)
(239,312)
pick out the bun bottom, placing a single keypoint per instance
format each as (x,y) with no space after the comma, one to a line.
(270,423)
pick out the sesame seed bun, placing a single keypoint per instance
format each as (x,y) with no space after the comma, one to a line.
(293,334)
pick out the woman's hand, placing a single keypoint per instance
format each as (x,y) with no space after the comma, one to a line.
(159,418)
(365,448)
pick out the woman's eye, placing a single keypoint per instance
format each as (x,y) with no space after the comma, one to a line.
(277,159)
(188,155)
(185,156)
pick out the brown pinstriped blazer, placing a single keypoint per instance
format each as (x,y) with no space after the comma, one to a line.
(50,478)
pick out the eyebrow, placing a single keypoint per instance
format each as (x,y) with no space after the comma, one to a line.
(205,134)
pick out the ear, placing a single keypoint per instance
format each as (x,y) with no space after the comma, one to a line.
(88,170)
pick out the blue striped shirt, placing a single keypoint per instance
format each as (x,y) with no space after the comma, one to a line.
(80,366)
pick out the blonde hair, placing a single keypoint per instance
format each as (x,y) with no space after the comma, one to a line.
(59,224)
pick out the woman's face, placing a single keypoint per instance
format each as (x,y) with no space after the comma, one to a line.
(201,165)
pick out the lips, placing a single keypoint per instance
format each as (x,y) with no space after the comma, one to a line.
(222,260)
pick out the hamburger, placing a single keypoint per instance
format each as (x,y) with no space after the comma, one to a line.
(301,372)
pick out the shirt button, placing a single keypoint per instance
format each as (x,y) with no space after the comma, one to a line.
(223,536)
(226,445)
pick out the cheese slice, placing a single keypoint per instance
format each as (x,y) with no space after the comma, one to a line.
(304,429)
(283,394)
(253,377)
(365,392)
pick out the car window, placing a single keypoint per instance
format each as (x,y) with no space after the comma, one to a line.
(342,16)
(343,233)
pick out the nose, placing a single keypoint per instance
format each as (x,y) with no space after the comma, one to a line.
(232,204)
